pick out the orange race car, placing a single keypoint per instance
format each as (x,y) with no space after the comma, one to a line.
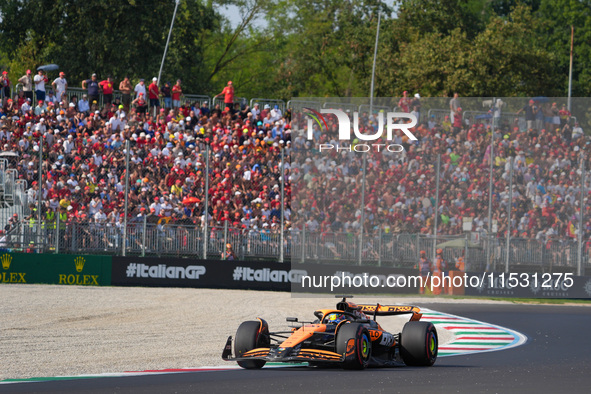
(343,336)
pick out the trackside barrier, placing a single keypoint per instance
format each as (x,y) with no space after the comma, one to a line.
(344,106)
(93,270)
(236,274)
(192,98)
(185,99)
(376,108)
(530,285)
(380,249)
(243,101)
(300,104)
(82,270)
(271,102)
(507,119)
(438,114)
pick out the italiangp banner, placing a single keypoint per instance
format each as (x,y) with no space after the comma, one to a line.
(62,269)
(175,272)
(137,271)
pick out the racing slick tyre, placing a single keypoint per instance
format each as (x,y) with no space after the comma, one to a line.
(418,344)
(353,341)
(251,335)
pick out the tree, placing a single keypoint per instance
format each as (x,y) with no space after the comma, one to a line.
(244,53)
(506,58)
(329,46)
(92,36)
(511,60)
(428,16)
(554,29)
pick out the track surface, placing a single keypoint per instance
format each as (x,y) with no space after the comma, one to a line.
(557,358)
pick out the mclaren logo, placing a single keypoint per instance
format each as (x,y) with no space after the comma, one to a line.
(6,260)
(79,262)
(374,334)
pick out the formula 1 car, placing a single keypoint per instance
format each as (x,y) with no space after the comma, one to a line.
(344,336)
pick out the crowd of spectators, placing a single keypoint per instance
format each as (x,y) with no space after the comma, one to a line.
(84,156)
(400,188)
(84,165)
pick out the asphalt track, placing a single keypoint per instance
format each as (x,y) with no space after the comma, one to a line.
(555,359)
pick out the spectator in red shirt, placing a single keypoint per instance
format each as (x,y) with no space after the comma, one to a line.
(107,87)
(176,94)
(228,93)
(404,102)
(153,93)
(5,82)
(141,104)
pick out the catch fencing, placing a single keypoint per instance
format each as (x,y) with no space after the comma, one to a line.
(386,250)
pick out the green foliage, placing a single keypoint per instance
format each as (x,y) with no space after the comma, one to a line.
(285,48)
(503,58)
(556,18)
(94,36)
(330,47)
(428,16)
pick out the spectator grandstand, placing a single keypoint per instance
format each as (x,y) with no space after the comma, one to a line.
(69,191)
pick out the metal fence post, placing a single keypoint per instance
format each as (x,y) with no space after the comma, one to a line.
(225,233)
(581,213)
(435,222)
(74,240)
(418,248)
(40,191)
(303,242)
(282,224)
(362,219)
(491,157)
(144,236)
(466,253)
(57,233)
(206,208)
(380,246)
(510,205)
(124,241)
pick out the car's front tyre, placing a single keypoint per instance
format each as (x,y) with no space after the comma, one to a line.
(353,341)
(251,335)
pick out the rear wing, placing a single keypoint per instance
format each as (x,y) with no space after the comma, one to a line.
(390,310)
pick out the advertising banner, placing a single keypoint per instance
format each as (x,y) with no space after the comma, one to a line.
(62,269)
(529,285)
(136,271)
(176,272)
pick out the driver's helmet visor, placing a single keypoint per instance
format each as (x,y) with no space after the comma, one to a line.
(335,317)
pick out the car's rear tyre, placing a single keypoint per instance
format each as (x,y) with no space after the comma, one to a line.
(419,344)
(357,355)
(251,335)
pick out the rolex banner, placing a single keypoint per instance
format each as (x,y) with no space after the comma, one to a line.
(62,269)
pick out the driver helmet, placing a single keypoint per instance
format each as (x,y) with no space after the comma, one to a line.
(336,318)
